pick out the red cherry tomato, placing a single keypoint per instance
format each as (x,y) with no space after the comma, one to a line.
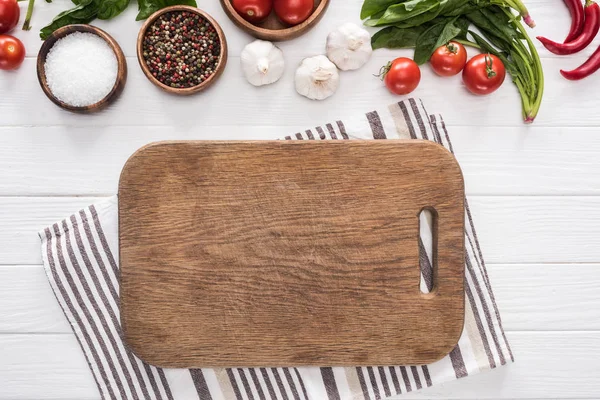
(402,75)
(9,15)
(449,60)
(254,11)
(12,52)
(484,74)
(293,12)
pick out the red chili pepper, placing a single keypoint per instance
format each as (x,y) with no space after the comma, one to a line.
(586,69)
(590,30)
(577,20)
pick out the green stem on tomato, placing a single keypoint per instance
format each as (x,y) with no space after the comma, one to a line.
(27,23)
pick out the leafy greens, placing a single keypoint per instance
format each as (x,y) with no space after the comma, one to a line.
(85,11)
(486,24)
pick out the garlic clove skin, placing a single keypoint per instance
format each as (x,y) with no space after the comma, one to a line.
(349,47)
(317,78)
(262,63)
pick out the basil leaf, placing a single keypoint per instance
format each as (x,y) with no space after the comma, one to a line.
(84,13)
(396,38)
(372,7)
(436,36)
(406,10)
(148,7)
(111,8)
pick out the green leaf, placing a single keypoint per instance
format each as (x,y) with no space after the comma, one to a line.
(396,38)
(434,37)
(84,13)
(453,8)
(149,7)
(500,22)
(108,9)
(406,10)
(426,41)
(372,7)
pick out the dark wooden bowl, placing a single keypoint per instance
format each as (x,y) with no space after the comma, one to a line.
(121,62)
(272,29)
(193,89)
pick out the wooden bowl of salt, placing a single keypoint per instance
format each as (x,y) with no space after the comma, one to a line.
(81,68)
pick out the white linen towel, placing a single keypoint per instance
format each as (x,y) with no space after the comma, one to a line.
(80,256)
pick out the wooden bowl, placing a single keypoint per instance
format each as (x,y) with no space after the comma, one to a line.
(193,89)
(121,63)
(272,29)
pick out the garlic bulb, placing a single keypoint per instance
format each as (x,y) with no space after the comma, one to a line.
(349,47)
(262,63)
(317,78)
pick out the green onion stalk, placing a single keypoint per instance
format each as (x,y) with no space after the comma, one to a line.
(534,97)
(518,6)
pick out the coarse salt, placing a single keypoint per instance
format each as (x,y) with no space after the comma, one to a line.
(81,69)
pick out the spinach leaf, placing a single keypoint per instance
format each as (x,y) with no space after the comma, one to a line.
(84,13)
(500,22)
(492,24)
(453,8)
(434,37)
(372,7)
(148,7)
(396,38)
(406,10)
(108,9)
(420,19)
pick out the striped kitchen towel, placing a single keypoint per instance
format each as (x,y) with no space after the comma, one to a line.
(80,256)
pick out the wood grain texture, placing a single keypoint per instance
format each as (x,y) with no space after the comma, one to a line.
(272,28)
(289,253)
(121,67)
(516,158)
(27,304)
(190,90)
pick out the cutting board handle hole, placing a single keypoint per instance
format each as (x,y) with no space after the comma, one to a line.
(427,249)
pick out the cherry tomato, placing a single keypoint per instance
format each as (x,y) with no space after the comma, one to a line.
(254,11)
(294,12)
(12,52)
(402,75)
(484,74)
(449,60)
(9,15)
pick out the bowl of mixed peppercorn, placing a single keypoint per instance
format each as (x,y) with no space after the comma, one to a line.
(182,49)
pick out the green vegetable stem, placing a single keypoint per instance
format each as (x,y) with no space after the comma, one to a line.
(27,23)
(85,11)
(486,24)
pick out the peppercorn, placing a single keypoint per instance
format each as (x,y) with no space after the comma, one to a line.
(181,49)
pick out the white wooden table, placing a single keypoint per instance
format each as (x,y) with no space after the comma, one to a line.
(534,191)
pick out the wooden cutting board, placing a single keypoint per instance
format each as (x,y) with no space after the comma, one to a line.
(289,253)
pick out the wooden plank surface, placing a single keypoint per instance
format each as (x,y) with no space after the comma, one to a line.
(289,240)
(532,297)
(512,229)
(524,160)
(550,365)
